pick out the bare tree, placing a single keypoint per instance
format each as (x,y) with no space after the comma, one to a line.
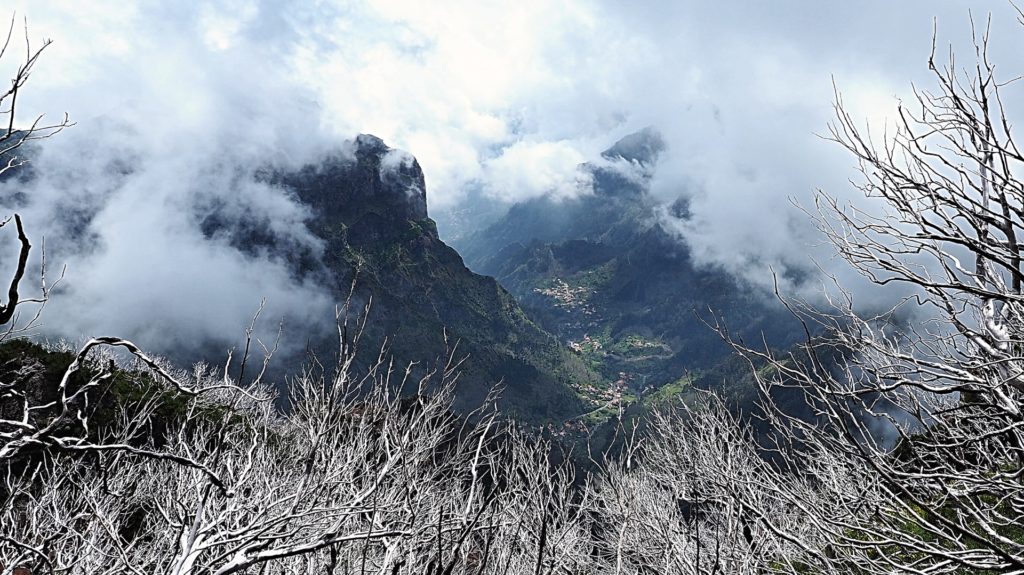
(917,439)
(696,496)
(12,139)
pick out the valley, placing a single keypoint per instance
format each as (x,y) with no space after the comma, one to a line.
(604,274)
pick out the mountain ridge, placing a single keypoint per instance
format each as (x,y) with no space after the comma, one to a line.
(603,272)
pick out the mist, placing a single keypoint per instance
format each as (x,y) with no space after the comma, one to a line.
(179,108)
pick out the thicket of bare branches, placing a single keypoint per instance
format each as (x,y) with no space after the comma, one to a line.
(351,479)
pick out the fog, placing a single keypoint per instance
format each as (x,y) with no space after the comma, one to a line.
(177,107)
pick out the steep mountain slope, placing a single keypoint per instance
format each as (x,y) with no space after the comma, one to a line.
(603,273)
(370,210)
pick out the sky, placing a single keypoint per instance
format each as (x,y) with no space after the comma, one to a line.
(499,102)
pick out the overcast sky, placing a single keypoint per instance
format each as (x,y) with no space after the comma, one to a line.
(499,99)
(508,95)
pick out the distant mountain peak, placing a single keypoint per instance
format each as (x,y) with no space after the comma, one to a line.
(368,206)
(369,179)
(643,147)
(370,144)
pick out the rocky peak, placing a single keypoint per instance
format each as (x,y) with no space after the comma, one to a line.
(391,174)
(643,147)
(367,179)
(368,144)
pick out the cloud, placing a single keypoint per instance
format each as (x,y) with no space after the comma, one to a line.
(528,169)
(498,101)
(130,229)
(173,120)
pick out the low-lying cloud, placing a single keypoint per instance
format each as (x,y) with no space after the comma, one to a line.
(499,102)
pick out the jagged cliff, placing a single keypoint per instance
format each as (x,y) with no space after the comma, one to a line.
(369,207)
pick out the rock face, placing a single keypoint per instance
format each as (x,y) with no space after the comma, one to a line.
(642,147)
(369,208)
(374,183)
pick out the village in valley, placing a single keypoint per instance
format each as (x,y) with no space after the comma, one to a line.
(582,311)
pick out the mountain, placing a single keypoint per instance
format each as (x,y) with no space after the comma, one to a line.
(603,273)
(369,207)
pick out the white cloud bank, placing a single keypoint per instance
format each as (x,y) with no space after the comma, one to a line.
(500,99)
